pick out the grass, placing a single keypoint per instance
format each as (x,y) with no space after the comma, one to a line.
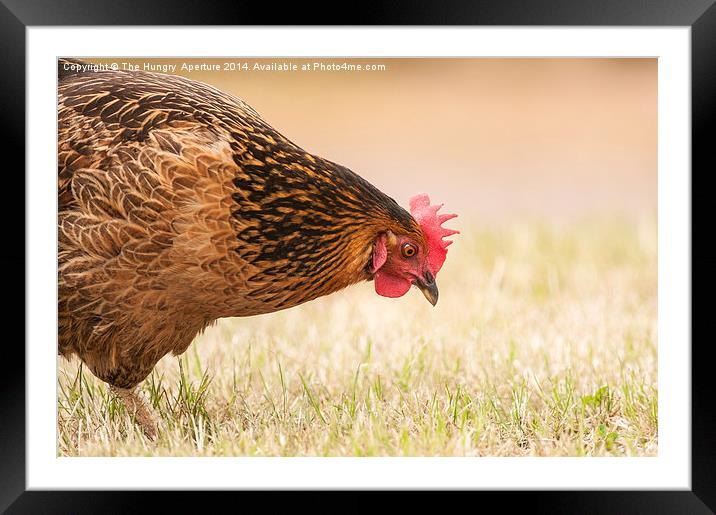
(543,344)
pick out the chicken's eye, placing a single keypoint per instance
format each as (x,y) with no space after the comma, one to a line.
(409,250)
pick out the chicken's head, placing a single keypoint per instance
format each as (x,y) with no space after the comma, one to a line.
(400,261)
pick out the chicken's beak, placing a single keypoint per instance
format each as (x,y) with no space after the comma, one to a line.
(428,287)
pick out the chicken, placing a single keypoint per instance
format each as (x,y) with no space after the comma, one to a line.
(179,205)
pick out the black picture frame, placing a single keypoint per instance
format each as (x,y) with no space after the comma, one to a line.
(17,15)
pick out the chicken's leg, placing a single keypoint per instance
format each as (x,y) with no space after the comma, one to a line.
(138,406)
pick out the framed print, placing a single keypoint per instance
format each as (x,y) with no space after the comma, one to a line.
(403,256)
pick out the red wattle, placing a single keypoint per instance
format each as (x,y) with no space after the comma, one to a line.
(390,285)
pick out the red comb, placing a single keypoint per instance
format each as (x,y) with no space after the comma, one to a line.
(431,223)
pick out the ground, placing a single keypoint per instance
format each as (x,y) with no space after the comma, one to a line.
(543,343)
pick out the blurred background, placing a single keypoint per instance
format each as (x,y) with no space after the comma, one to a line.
(497,139)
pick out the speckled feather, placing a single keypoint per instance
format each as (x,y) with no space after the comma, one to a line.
(178,205)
